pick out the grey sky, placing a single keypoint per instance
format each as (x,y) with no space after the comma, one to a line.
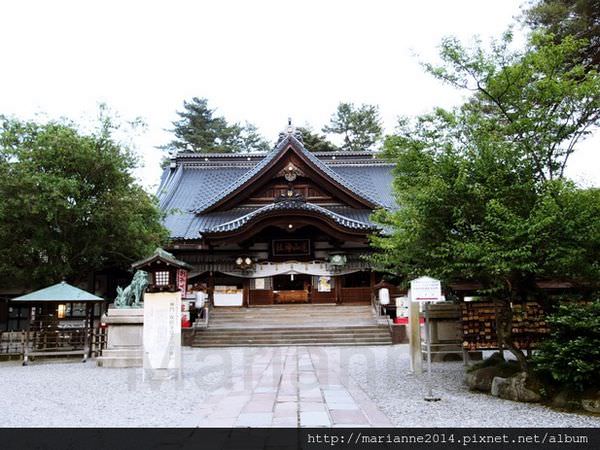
(260,61)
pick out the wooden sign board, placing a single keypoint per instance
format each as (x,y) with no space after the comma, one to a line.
(290,247)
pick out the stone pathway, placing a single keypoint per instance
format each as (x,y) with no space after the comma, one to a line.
(290,387)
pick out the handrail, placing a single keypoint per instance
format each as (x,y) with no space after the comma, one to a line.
(206,316)
(203,312)
(377,306)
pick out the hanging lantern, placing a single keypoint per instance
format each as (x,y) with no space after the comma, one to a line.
(384,296)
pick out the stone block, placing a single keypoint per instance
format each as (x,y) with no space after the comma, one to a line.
(124,338)
(481,379)
(517,388)
(591,405)
(497,385)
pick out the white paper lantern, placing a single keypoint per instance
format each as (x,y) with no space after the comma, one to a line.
(384,296)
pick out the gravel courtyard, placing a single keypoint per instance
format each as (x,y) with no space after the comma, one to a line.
(273,386)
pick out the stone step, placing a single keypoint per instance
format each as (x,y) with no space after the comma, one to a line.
(122,352)
(299,325)
(291,337)
(259,325)
(376,337)
(351,335)
(294,331)
(286,344)
(292,310)
(289,316)
(266,342)
(119,361)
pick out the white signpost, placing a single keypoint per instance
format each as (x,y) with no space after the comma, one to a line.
(162,334)
(422,290)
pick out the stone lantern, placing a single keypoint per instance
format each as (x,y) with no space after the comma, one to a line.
(167,274)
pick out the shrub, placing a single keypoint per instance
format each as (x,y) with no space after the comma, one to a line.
(570,357)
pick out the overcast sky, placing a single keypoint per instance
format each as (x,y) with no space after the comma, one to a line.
(260,61)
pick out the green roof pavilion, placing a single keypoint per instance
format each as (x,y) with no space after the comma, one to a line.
(60,292)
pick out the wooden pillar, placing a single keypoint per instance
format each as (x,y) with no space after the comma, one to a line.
(246,294)
(211,288)
(372,283)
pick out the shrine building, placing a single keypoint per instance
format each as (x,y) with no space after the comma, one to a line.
(286,226)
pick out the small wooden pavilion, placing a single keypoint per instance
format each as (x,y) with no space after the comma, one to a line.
(55,328)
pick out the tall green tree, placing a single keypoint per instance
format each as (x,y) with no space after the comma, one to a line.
(69,203)
(482,190)
(539,100)
(359,126)
(579,19)
(200,130)
(316,142)
(248,139)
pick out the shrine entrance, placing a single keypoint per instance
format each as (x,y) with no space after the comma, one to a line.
(291,288)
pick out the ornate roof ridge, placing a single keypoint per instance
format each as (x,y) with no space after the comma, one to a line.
(240,155)
(289,205)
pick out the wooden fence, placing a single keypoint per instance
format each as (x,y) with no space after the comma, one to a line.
(29,344)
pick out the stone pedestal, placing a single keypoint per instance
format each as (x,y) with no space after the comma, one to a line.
(124,338)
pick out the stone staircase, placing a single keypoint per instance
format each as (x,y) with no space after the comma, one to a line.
(284,325)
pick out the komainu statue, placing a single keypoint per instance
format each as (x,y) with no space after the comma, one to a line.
(133,295)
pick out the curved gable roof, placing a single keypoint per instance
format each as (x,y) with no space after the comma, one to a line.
(194,182)
(275,155)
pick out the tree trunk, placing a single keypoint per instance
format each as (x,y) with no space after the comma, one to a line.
(504,332)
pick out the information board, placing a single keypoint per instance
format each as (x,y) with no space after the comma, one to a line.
(426,289)
(162,330)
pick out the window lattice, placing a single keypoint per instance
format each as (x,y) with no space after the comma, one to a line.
(161,278)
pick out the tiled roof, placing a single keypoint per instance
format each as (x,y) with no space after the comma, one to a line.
(197,181)
(208,201)
(374,181)
(163,256)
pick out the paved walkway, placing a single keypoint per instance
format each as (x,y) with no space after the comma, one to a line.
(290,387)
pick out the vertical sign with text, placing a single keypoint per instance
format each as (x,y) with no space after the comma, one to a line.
(182,282)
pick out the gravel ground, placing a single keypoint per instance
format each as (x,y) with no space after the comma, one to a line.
(399,394)
(61,394)
(64,394)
